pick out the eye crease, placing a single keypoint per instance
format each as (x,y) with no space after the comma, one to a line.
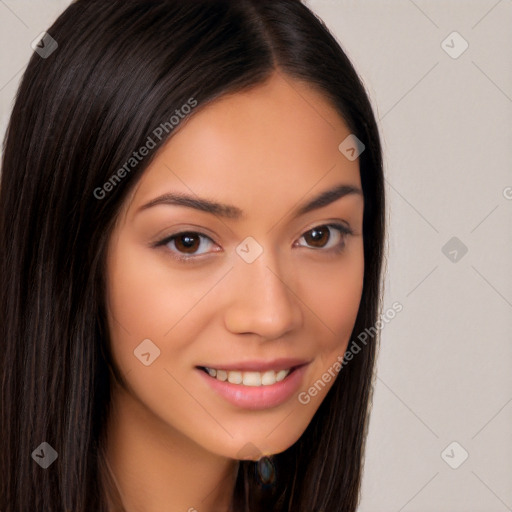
(186,240)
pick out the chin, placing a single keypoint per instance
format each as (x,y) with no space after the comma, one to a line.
(257,446)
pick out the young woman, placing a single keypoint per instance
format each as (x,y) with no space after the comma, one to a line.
(192,222)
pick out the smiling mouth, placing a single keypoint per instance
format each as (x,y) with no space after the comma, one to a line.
(249,378)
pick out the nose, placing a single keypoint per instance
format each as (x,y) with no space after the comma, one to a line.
(262,300)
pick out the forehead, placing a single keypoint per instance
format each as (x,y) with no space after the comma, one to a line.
(271,144)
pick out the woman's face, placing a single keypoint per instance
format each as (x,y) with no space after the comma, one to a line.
(256,287)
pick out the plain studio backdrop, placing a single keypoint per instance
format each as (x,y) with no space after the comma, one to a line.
(439,74)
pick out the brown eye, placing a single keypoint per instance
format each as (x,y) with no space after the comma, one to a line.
(321,237)
(186,242)
(318,237)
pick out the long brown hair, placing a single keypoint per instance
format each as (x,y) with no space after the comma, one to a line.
(121,68)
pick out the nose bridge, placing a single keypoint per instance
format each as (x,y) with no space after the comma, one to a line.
(262,298)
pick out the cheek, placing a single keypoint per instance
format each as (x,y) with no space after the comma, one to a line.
(135,297)
(334,295)
(146,301)
(145,297)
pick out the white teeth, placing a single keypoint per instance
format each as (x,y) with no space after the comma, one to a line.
(268,378)
(281,375)
(212,372)
(221,374)
(235,377)
(252,379)
(249,378)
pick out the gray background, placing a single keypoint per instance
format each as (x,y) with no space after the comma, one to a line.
(444,366)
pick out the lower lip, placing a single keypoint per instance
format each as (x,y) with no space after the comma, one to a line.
(257,397)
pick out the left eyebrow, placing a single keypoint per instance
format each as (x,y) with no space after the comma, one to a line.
(327,197)
(233,212)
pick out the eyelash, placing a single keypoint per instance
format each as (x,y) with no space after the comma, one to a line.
(341,228)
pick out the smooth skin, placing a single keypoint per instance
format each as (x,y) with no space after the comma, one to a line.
(174,443)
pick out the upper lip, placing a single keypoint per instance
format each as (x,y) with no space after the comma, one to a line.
(260,365)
